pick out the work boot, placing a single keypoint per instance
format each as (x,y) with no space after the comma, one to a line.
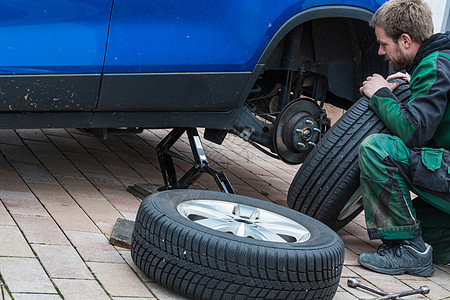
(396,257)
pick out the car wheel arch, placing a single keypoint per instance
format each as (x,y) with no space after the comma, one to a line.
(343,89)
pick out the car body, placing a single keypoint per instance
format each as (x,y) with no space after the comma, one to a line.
(103,64)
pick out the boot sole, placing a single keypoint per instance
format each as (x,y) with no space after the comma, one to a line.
(425,271)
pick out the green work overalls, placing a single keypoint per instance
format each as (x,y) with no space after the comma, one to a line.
(414,158)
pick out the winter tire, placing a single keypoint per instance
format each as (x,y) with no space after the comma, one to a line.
(211,245)
(326,187)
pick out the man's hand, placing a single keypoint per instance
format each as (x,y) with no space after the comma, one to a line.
(399,75)
(374,83)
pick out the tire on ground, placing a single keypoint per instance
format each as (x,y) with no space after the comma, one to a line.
(326,187)
(204,263)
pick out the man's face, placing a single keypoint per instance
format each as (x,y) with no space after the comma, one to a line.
(393,51)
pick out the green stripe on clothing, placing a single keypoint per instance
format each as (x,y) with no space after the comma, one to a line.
(423,77)
(388,111)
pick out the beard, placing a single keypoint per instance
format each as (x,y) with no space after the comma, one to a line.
(399,60)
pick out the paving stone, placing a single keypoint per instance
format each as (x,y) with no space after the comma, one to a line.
(25,275)
(123,201)
(102,212)
(346,273)
(33,296)
(4,294)
(123,172)
(11,181)
(350,258)
(72,289)
(126,255)
(72,218)
(77,186)
(53,159)
(357,245)
(9,136)
(89,141)
(26,164)
(56,132)
(13,243)
(125,285)
(5,217)
(248,191)
(162,293)
(68,143)
(52,193)
(44,230)
(62,262)
(342,295)
(94,247)
(440,277)
(443,268)
(22,203)
(32,134)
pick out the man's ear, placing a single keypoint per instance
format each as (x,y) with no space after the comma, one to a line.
(405,40)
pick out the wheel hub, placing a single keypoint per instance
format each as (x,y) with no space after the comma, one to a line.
(301,135)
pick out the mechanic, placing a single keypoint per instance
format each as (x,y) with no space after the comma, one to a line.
(415,157)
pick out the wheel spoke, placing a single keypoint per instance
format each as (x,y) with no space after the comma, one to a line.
(286,229)
(217,224)
(352,205)
(204,210)
(265,234)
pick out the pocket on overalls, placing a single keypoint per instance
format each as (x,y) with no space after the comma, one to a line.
(431,169)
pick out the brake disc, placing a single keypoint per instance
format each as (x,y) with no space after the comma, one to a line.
(297,130)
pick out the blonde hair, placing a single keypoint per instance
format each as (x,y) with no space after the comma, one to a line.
(412,17)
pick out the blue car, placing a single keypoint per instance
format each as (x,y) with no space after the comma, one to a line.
(262,70)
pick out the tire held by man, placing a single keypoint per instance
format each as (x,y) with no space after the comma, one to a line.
(326,187)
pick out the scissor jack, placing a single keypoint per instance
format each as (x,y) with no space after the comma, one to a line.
(199,163)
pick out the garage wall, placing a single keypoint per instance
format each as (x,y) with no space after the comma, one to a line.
(440,9)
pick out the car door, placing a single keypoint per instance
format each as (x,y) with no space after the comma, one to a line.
(52,53)
(186,55)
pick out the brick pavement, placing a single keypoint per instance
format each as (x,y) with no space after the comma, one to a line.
(62,190)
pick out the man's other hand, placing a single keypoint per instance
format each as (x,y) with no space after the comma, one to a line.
(399,75)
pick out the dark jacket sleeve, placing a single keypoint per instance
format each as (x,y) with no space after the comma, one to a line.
(416,121)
